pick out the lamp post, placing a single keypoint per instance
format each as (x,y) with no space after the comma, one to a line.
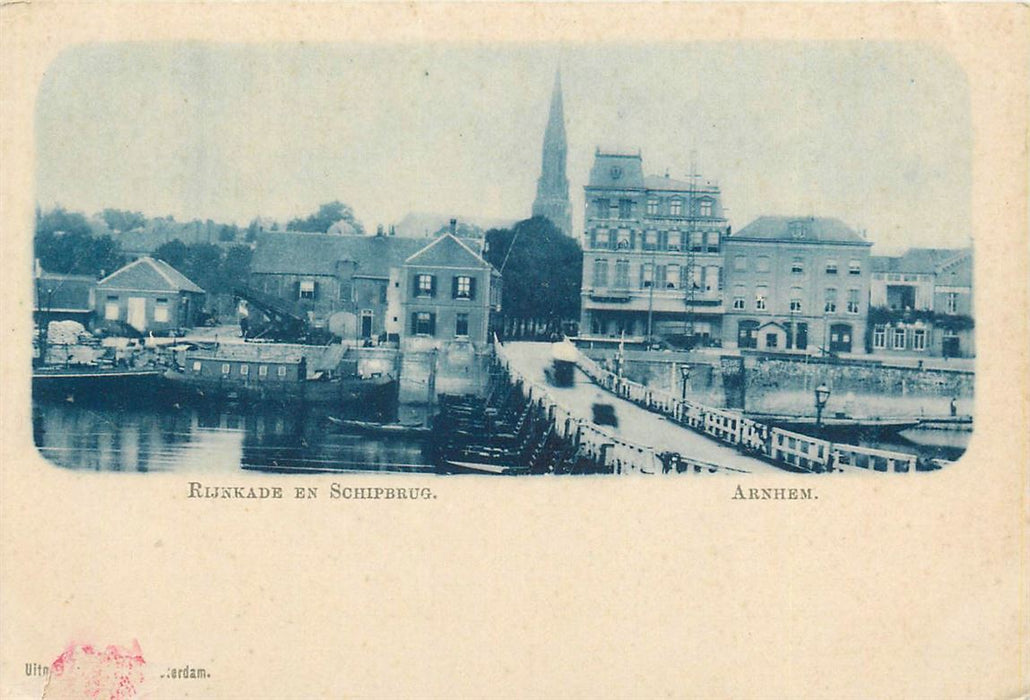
(822,395)
(685,376)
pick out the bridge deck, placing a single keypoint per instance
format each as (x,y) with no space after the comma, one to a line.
(636,424)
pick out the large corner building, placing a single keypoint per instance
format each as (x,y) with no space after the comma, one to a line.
(552,188)
(652,262)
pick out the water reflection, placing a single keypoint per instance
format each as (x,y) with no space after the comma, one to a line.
(214,438)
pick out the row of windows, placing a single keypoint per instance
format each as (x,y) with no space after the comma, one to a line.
(604,208)
(462,286)
(112,309)
(796,304)
(626,239)
(797,265)
(670,276)
(900,338)
(424,323)
(244,369)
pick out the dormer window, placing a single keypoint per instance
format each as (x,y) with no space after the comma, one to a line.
(706,207)
(615,172)
(798,229)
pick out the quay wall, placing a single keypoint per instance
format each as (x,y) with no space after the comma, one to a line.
(458,368)
(777,385)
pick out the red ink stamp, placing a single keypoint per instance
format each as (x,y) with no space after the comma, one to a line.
(85,671)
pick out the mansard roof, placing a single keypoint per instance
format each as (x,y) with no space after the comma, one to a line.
(815,230)
(617,171)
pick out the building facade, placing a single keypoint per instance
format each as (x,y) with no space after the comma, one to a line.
(796,284)
(149,295)
(652,255)
(552,188)
(449,294)
(343,279)
(921,304)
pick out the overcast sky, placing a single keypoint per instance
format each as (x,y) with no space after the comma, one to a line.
(878,135)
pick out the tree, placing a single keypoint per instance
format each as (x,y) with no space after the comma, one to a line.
(542,269)
(119,221)
(174,252)
(64,244)
(227,233)
(236,266)
(326,216)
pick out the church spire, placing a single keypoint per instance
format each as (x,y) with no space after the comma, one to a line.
(552,189)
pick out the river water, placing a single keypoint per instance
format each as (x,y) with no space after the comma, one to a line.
(106,435)
(217,438)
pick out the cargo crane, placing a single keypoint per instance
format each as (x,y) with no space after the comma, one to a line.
(284,325)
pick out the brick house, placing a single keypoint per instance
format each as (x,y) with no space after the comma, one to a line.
(148,295)
(449,293)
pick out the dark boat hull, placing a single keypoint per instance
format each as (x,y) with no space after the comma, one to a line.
(77,384)
(334,392)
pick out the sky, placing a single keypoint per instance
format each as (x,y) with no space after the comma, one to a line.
(876,134)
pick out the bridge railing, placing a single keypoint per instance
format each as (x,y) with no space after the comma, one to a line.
(781,446)
(596,443)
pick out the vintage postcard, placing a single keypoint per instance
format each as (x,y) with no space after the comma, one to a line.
(461,350)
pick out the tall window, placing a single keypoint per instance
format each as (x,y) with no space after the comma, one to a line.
(853,301)
(761,295)
(624,239)
(676,206)
(622,274)
(663,240)
(854,267)
(740,263)
(672,276)
(625,208)
(738,297)
(652,206)
(712,242)
(461,326)
(919,339)
(899,339)
(762,263)
(650,240)
(161,310)
(600,272)
(646,275)
(879,337)
(674,240)
(601,207)
(951,302)
(307,289)
(830,306)
(425,285)
(831,267)
(464,287)
(706,207)
(659,276)
(423,323)
(697,241)
(797,266)
(795,300)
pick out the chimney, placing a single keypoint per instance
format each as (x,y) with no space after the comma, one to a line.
(393,230)
(379,231)
(454,227)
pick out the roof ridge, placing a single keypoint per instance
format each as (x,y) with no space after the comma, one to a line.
(153,262)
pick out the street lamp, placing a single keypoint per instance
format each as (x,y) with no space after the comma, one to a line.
(685,375)
(822,395)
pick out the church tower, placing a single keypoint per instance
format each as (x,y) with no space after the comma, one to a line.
(552,188)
